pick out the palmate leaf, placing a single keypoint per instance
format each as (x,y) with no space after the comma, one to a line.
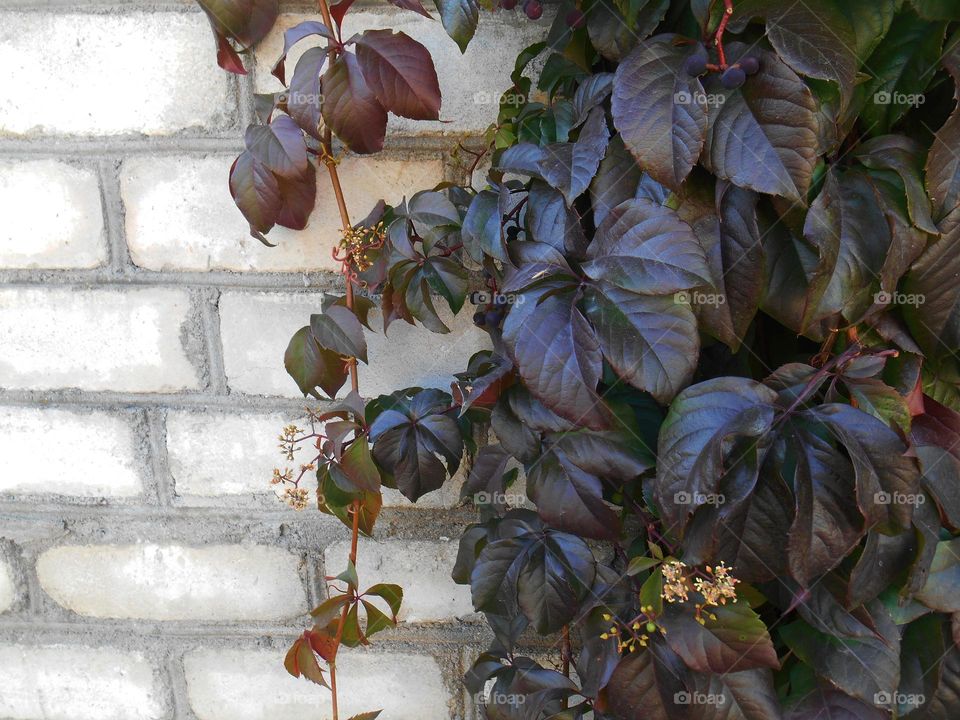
(745,695)
(763,136)
(416,440)
(542,573)
(659,110)
(826,702)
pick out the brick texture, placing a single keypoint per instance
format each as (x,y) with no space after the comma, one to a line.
(78,683)
(147,569)
(52,216)
(421,568)
(236,685)
(172,582)
(99,449)
(180,216)
(256,328)
(110,74)
(129,341)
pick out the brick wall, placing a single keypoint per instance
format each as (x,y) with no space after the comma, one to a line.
(146,570)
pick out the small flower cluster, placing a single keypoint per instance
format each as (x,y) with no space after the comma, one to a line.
(296,497)
(716,586)
(632,634)
(289,438)
(357,244)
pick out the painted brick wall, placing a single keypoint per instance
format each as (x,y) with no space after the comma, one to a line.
(146,569)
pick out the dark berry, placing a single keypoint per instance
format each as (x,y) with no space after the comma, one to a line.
(480,318)
(533,9)
(749,64)
(733,77)
(493,317)
(696,63)
(512,232)
(508,4)
(575,18)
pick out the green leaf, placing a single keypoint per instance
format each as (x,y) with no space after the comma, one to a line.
(459,19)
(902,67)
(339,330)
(448,279)
(392,594)
(942,589)
(312,366)
(569,167)
(661,116)
(358,465)
(737,640)
(641,564)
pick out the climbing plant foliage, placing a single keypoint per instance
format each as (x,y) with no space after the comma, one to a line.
(717,255)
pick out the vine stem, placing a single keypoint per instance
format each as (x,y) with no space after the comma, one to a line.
(718,38)
(331,164)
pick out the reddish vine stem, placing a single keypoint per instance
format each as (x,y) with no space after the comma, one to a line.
(331,164)
(718,37)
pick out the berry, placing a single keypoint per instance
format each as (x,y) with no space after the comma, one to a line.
(493,318)
(512,232)
(651,627)
(508,4)
(575,18)
(749,64)
(533,9)
(479,318)
(733,77)
(696,63)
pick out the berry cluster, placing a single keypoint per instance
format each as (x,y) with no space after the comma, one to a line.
(532,8)
(492,311)
(732,76)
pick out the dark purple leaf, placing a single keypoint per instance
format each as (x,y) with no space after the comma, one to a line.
(400,72)
(570,167)
(339,330)
(294,35)
(304,95)
(279,146)
(350,107)
(298,197)
(311,366)
(256,192)
(660,111)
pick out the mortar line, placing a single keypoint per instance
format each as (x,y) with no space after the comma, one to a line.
(306,283)
(177,683)
(209,299)
(113,217)
(158,461)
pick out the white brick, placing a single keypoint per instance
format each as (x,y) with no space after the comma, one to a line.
(174,582)
(421,568)
(253,685)
(256,328)
(8,590)
(121,340)
(229,454)
(110,74)
(97,448)
(218,454)
(180,215)
(51,216)
(471,84)
(61,682)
